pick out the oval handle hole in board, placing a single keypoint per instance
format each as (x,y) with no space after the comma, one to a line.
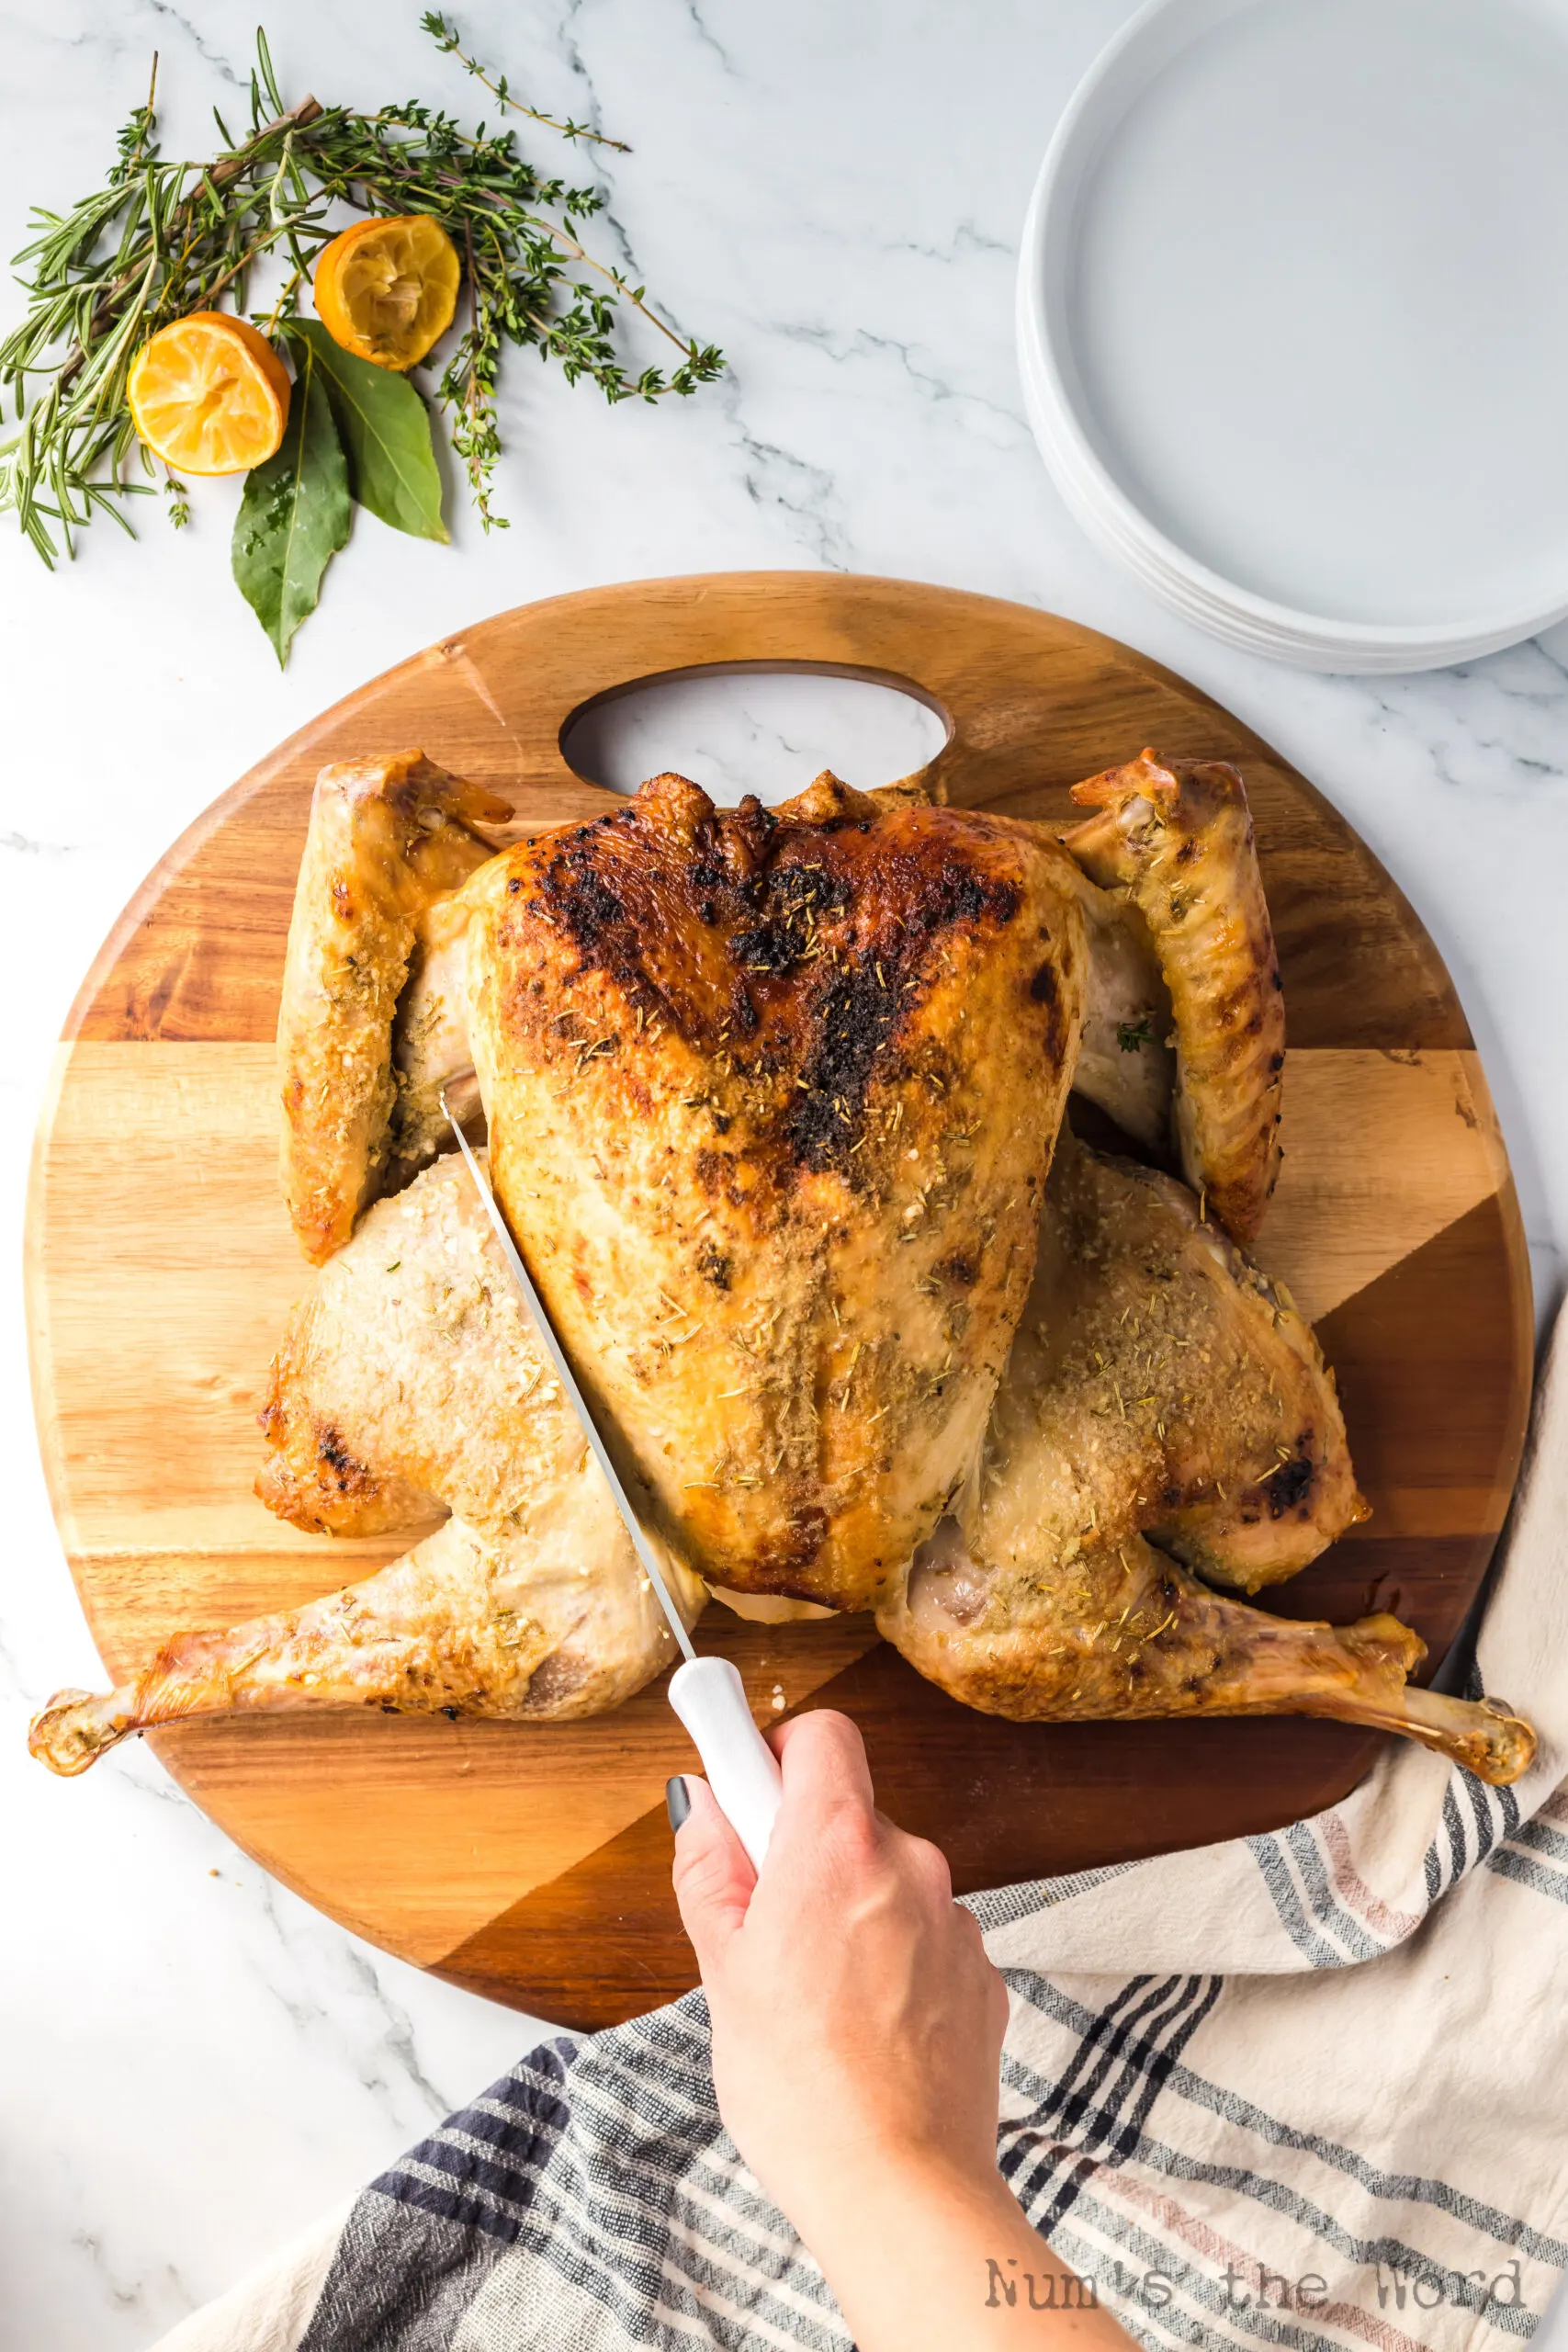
(767,728)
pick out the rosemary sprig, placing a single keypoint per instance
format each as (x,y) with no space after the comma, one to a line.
(162,238)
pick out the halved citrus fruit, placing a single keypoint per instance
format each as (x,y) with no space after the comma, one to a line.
(386,289)
(208,394)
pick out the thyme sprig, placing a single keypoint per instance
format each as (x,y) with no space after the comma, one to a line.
(449,41)
(162,238)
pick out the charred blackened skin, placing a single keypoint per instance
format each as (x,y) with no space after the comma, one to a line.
(347,1473)
(960,896)
(766,949)
(585,906)
(714,1266)
(792,897)
(856,1012)
(804,888)
(1289,1486)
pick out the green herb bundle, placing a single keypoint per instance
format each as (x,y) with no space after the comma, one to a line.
(161,239)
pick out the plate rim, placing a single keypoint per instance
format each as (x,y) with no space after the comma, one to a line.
(1097,499)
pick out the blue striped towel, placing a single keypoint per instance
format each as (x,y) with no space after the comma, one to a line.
(1305,2089)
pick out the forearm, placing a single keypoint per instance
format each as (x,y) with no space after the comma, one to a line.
(926,2262)
(858,2029)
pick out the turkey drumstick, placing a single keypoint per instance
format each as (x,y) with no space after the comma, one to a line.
(1046,1601)
(774,1100)
(1124,1633)
(532,1628)
(1160,1392)
(408,1381)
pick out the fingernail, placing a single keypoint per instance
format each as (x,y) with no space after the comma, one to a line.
(677,1801)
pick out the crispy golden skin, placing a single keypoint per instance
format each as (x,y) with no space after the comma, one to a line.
(1161,1384)
(410,1381)
(1159,1388)
(1175,847)
(1041,1598)
(517,1628)
(1128,1634)
(771,1100)
(389,838)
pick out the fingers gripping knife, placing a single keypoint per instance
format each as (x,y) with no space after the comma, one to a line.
(705,1692)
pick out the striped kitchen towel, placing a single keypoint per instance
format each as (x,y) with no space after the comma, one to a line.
(1305,2089)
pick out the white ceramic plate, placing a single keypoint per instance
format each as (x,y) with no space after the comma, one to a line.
(1293,319)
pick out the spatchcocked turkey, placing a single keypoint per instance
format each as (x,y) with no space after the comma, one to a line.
(776,1109)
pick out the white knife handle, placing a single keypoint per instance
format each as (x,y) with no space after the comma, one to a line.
(743,1772)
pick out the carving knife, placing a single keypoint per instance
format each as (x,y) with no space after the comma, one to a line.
(705,1692)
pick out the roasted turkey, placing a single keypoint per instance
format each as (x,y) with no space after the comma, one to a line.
(1166,1425)
(776,1105)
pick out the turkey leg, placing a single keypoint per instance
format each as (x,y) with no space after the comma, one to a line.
(1123,1632)
(522,1630)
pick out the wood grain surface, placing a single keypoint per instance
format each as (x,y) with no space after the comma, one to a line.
(532,1861)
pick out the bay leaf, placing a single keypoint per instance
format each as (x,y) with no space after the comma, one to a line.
(295,514)
(385,434)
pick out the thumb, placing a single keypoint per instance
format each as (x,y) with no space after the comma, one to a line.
(714,1877)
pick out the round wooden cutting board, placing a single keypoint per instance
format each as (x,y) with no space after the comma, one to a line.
(531,1862)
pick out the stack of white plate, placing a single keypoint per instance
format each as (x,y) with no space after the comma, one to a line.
(1294,320)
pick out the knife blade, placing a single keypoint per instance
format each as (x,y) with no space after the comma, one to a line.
(705,1692)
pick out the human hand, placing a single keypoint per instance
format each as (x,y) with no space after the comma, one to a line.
(857,2035)
(857,2023)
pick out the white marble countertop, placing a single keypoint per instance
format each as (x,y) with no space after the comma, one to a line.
(195,2064)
